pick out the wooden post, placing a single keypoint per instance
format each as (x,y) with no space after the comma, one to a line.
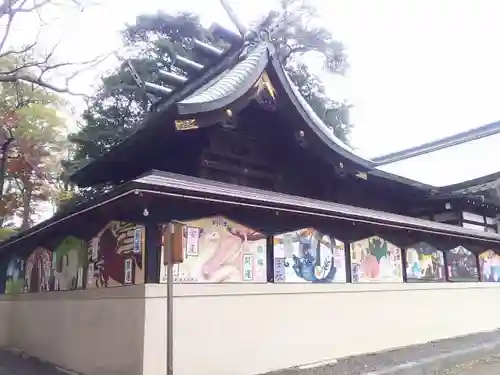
(270,258)
(404,264)
(348,264)
(152,253)
(168,246)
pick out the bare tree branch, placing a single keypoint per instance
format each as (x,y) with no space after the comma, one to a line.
(22,65)
(17,74)
(7,29)
(21,51)
(35,6)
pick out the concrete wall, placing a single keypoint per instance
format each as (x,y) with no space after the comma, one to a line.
(245,329)
(238,329)
(90,331)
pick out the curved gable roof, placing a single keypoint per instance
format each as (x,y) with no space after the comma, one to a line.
(228,86)
(228,82)
(310,117)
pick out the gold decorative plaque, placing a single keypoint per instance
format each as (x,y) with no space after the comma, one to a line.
(264,83)
(182,125)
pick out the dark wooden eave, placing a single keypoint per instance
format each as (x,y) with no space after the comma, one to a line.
(157,183)
(476,185)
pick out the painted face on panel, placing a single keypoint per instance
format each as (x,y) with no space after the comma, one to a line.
(219,250)
(116,256)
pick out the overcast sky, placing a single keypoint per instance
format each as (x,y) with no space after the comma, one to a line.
(420,69)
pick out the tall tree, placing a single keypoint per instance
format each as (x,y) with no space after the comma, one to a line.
(38,143)
(117,111)
(27,73)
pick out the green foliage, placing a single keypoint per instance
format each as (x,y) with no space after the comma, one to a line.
(6,233)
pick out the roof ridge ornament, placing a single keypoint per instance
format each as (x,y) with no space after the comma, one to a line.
(234,18)
(253,37)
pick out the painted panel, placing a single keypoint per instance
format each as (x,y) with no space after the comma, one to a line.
(424,262)
(307,255)
(115,256)
(15,281)
(462,264)
(38,270)
(69,263)
(489,264)
(217,249)
(376,260)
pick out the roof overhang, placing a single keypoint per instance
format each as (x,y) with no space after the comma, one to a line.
(181,188)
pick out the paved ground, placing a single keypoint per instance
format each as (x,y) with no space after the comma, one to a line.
(467,355)
(470,355)
(484,366)
(489,365)
(17,363)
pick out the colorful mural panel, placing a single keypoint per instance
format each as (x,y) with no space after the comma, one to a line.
(15,281)
(307,255)
(46,270)
(69,262)
(424,262)
(219,250)
(115,256)
(462,264)
(489,264)
(38,271)
(376,260)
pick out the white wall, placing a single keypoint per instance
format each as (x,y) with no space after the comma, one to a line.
(95,332)
(246,329)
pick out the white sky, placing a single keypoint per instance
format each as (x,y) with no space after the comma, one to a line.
(420,69)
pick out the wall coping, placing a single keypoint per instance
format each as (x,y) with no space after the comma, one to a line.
(118,292)
(242,289)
